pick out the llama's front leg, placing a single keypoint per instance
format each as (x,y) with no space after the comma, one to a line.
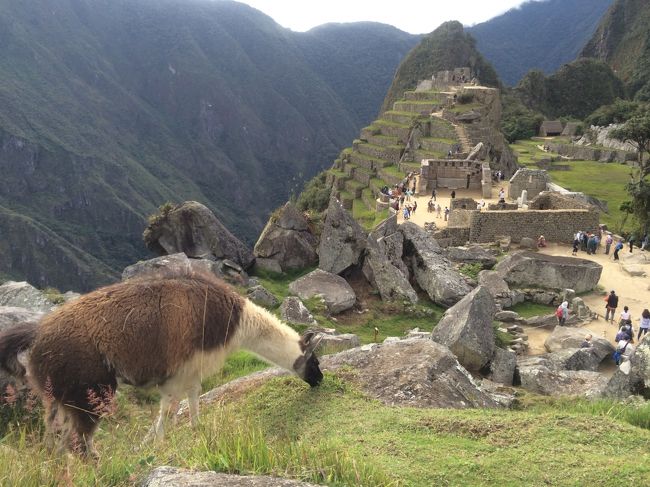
(193,401)
(157,430)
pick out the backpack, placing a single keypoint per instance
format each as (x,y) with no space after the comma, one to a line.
(558,312)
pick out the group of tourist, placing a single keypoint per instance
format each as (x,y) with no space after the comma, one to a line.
(625,336)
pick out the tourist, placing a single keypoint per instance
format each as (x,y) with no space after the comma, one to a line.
(408,195)
(625,332)
(406,213)
(625,316)
(644,242)
(608,242)
(502,196)
(413,189)
(587,343)
(453,194)
(449,154)
(618,248)
(446,213)
(414,207)
(631,242)
(644,323)
(575,247)
(438,211)
(541,242)
(433,194)
(401,200)
(624,351)
(612,304)
(430,206)
(592,244)
(583,241)
(562,313)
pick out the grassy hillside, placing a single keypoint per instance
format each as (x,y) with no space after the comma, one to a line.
(447,47)
(622,40)
(111,108)
(537,35)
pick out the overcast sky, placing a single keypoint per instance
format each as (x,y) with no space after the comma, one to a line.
(414,16)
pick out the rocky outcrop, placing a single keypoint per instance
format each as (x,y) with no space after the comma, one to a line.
(342,241)
(503,366)
(412,372)
(633,376)
(24,295)
(262,296)
(564,337)
(12,315)
(193,229)
(473,254)
(336,293)
(391,242)
(385,277)
(330,341)
(466,329)
(179,477)
(575,359)
(528,269)
(431,270)
(537,375)
(287,240)
(499,289)
(294,311)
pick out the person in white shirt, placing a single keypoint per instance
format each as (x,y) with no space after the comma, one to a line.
(625,315)
(644,323)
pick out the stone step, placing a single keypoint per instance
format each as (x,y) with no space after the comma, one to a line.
(346,199)
(417,107)
(392,129)
(441,128)
(363,175)
(401,117)
(376,184)
(354,187)
(383,141)
(391,175)
(386,153)
(434,144)
(432,95)
(336,179)
(368,197)
(426,154)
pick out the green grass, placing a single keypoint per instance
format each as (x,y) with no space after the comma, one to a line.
(362,214)
(528,309)
(335,435)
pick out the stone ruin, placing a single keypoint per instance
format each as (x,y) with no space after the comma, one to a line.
(533,181)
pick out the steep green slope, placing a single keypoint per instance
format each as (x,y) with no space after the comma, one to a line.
(537,35)
(623,41)
(447,47)
(358,61)
(110,108)
(575,90)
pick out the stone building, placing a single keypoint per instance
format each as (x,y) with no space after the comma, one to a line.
(534,181)
(450,173)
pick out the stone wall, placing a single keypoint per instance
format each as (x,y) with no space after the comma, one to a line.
(555,225)
(452,236)
(460,218)
(534,181)
(463,204)
(583,153)
(548,200)
(502,206)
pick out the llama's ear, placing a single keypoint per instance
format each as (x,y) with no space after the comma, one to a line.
(310,341)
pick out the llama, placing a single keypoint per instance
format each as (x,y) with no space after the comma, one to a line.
(169,332)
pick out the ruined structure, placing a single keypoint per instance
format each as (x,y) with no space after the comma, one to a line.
(533,181)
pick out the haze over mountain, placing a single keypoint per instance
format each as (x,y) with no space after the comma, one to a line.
(112,107)
(540,35)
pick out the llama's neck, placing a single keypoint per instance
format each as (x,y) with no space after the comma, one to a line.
(262,333)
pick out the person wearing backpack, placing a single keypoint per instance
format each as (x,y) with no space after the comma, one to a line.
(610,306)
(618,248)
(624,350)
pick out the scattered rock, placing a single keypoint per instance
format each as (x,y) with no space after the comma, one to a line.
(335,291)
(474,254)
(502,366)
(528,269)
(507,316)
(385,277)
(528,244)
(634,270)
(262,296)
(13,315)
(504,242)
(270,265)
(433,272)
(24,295)
(412,372)
(575,359)
(538,377)
(393,247)
(342,241)
(193,229)
(294,311)
(545,321)
(633,376)
(287,240)
(466,328)
(331,341)
(178,477)
(499,289)
(564,337)
(578,306)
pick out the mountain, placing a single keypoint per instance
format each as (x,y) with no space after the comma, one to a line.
(447,47)
(358,62)
(109,108)
(622,40)
(540,35)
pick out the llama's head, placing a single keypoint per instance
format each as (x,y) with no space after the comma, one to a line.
(306,366)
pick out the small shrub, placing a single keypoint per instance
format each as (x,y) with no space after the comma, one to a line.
(316,195)
(465,98)
(54,295)
(471,270)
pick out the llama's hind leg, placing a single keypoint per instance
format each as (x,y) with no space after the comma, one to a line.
(157,430)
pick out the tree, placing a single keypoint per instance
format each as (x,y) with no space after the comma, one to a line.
(636,131)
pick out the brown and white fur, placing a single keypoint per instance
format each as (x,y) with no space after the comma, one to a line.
(169,332)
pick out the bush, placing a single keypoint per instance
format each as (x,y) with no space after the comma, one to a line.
(315,196)
(471,270)
(618,112)
(465,98)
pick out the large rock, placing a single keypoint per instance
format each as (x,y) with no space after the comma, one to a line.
(262,296)
(391,242)
(432,271)
(179,477)
(499,289)
(473,254)
(342,241)
(528,269)
(412,372)
(385,277)
(503,366)
(575,359)
(193,229)
(24,295)
(564,337)
(330,341)
(540,377)
(335,291)
(633,376)
(294,311)
(466,329)
(12,315)
(287,240)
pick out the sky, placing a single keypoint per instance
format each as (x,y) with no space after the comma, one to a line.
(414,16)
